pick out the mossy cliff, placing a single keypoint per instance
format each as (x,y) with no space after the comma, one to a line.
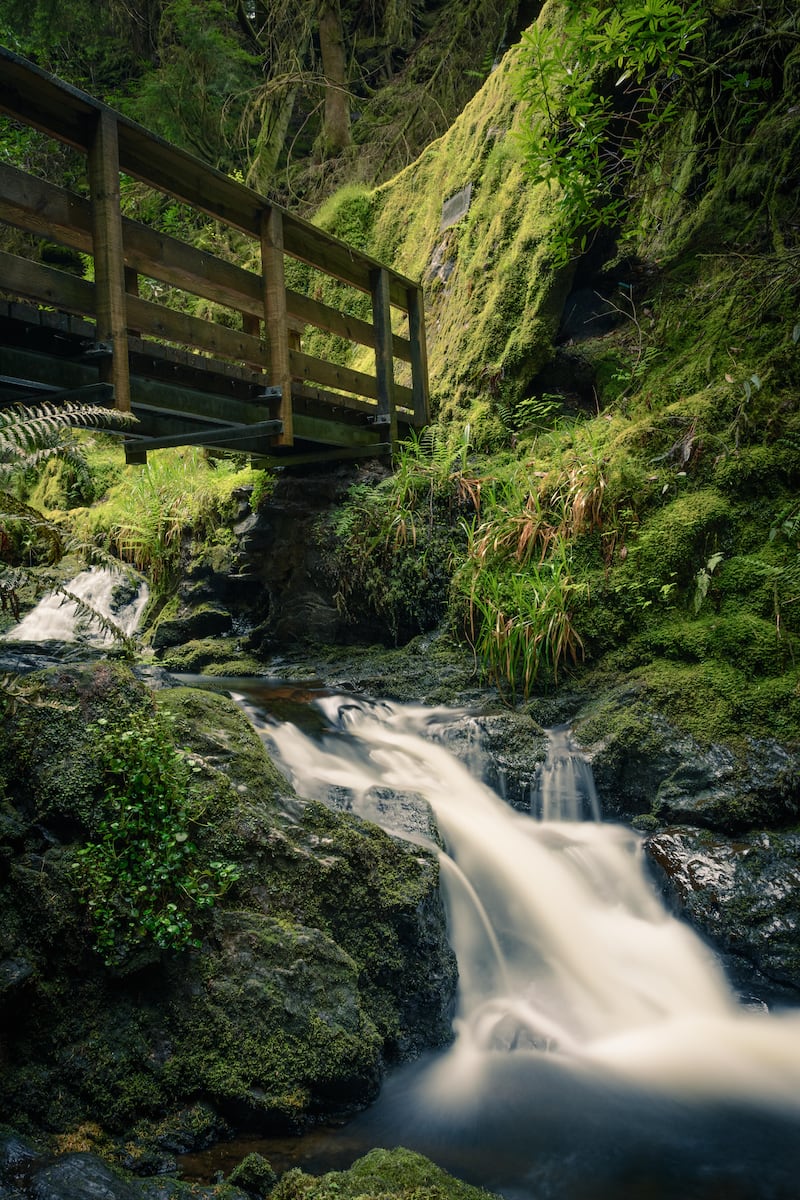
(640,400)
(323,958)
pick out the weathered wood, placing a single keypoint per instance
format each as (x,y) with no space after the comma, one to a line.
(419,355)
(64,112)
(109,260)
(384,363)
(46,285)
(156,321)
(304,366)
(276,317)
(221,435)
(342,402)
(333,433)
(49,211)
(341,454)
(125,251)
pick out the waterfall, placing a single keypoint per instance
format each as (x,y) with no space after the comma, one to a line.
(55,618)
(582,1003)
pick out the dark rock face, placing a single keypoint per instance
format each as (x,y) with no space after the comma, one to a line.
(645,766)
(723,823)
(279,547)
(743,893)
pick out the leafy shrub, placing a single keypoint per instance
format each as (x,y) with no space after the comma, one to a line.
(143,877)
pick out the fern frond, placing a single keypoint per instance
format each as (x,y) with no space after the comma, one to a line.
(93,616)
(17,512)
(28,428)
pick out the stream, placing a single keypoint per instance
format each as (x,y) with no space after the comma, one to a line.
(598,1050)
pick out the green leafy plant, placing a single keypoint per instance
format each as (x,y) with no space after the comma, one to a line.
(142,876)
(596,90)
(521,624)
(702,580)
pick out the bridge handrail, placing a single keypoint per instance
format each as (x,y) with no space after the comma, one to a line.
(114,144)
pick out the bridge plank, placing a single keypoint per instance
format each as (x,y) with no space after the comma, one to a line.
(328,374)
(46,285)
(156,321)
(109,261)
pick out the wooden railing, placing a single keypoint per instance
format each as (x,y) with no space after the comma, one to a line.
(269,317)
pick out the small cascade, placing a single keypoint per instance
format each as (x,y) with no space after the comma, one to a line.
(564,789)
(562,943)
(56,618)
(598,1049)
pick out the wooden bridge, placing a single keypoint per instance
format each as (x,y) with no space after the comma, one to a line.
(239,380)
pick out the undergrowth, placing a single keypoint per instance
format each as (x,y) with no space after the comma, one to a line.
(142,876)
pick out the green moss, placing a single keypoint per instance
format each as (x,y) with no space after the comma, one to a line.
(680,537)
(379,1175)
(210,656)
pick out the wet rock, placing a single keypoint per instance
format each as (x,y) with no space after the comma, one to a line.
(643,765)
(504,749)
(13,972)
(18,1160)
(741,892)
(209,620)
(80,1175)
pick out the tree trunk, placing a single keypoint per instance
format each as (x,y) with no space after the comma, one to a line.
(336,122)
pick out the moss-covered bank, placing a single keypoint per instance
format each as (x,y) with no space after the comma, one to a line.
(324,959)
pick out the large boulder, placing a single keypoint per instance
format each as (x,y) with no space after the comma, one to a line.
(324,960)
(742,893)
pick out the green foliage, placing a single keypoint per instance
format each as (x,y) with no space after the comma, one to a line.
(598,90)
(521,624)
(32,438)
(146,514)
(142,876)
(390,547)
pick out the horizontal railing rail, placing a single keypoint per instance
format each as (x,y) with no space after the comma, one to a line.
(272,316)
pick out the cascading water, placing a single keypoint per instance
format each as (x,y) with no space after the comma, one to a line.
(57,618)
(582,1003)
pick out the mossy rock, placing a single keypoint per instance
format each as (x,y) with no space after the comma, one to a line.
(381,1174)
(326,959)
(210,656)
(204,621)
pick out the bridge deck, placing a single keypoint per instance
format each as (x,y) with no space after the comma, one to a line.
(237,379)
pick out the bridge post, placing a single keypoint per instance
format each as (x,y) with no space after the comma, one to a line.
(384,361)
(275,316)
(109,257)
(419,355)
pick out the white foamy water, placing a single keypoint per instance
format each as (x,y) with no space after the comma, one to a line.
(57,618)
(566,955)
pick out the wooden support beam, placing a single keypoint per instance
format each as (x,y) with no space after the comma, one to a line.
(221,436)
(109,258)
(331,375)
(157,321)
(341,454)
(419,356)
(276,317)
(386,416)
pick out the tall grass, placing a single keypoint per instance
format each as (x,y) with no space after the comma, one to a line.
(521,624)
(144,518)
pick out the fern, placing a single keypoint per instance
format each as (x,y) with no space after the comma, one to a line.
(31,435)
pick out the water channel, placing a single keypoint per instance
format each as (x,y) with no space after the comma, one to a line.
(598,1050)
